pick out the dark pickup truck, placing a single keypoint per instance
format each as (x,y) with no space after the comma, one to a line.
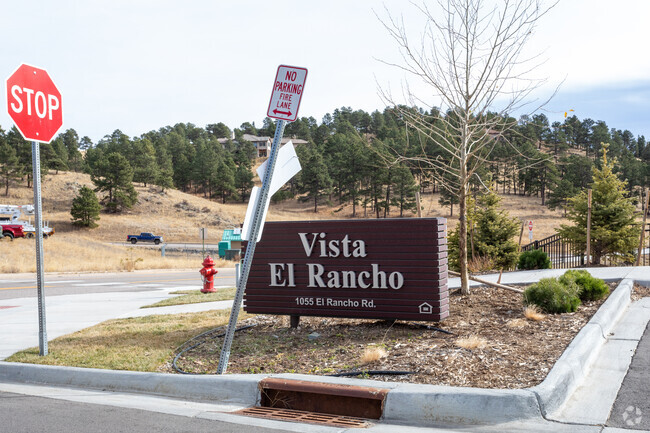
(12,231)
(144,237)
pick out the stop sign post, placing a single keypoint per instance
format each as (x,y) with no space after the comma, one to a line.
(34,104)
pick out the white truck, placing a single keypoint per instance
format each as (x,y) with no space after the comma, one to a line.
(12,214)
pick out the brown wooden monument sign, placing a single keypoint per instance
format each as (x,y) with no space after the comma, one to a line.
(383,269)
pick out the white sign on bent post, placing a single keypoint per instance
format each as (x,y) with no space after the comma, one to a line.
(286,167)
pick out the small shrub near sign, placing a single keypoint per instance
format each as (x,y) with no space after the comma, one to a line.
(563,295)
(590,288)
(534,259)
(552,296)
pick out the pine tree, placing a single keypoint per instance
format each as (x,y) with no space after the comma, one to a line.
(614,230)
(10,167)
(495,231)
(315,179)
(85,208)
(243,178)
(404,188)
(223,179)
(113,174)
(491,232)
(165,173)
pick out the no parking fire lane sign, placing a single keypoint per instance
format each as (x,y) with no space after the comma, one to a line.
(287,93)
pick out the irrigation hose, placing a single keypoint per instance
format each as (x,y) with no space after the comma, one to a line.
(187,349)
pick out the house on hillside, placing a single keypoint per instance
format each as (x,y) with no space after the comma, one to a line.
(263,144)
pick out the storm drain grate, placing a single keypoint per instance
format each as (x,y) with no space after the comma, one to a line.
(303,416)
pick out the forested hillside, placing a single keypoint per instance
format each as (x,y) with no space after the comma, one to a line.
(350,159)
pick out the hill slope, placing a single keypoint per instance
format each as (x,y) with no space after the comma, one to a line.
(177,216)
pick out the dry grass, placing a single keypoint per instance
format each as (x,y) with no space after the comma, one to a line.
(516,323)
(545,221)
(195,297)
(472,342)
(480,264)
(137,344)
(532,312)
(65,252)
(372,354)
(177,216)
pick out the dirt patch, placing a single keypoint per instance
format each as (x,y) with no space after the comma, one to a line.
(486,342)
(639,292)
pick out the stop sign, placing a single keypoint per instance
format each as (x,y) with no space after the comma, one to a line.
(34,103)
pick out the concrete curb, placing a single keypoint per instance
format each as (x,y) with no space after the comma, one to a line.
(568,371)
(236,389)
(405,403)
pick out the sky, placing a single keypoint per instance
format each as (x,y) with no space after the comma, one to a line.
(139,65)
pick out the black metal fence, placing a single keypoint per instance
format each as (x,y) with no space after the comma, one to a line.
(564,253)
(645,249)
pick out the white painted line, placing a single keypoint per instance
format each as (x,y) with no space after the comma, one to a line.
(97,284)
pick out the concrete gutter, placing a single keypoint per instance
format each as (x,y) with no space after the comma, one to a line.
(405,403)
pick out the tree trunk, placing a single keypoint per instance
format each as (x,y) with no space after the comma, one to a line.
(387,207)
(462,212)
(462,240)
(377,206)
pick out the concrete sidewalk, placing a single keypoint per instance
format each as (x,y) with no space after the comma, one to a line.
(580,389)
(70,313)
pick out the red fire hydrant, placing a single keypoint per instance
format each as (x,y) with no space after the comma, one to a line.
(207,273)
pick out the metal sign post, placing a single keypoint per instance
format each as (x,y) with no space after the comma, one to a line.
(35,105)
(202,232)
(288,88)
(250,249)
(38,222)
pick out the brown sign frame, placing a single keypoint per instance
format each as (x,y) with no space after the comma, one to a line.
(381,269)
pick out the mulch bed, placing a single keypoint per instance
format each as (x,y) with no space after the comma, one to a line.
(509,350)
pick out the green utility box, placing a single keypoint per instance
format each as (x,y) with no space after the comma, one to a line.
(231,238)
(223,247)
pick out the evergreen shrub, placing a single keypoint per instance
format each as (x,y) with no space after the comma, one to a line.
(589,288)
(534,259)
(552,296)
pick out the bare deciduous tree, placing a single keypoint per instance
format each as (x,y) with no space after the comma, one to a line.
(470,57)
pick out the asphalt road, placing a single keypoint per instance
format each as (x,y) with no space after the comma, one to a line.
(632,406)
(171,245)
(29,414)
(24,285)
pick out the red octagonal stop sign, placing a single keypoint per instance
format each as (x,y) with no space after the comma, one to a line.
(34,103)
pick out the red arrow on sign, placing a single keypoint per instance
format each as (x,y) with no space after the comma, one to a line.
(286,113)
